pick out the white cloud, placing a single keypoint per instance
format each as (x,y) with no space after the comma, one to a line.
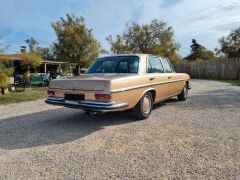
(205,20)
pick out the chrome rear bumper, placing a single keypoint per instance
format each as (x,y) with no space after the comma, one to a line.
(85,105)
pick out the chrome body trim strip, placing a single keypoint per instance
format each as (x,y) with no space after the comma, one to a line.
(142,86)
(55,98)
(98,102)
(80,91)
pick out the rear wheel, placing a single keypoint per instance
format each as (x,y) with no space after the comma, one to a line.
(144,107)
(184,94)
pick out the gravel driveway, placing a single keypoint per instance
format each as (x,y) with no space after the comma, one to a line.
(199,138)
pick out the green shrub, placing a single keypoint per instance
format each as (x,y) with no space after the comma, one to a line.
(5,72)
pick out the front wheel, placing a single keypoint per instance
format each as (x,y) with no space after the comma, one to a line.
(184,94)
(144,107)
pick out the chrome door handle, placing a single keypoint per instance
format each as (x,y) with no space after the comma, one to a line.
(151,79)
(170,77)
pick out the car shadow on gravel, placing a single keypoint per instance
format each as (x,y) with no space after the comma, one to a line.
(56,126)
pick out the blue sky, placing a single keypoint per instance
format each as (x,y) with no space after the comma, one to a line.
(204,20)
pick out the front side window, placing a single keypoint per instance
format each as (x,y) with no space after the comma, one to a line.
(167,67)
(117,64)
(154,65)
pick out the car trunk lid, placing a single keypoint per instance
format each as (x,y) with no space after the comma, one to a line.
(84,83)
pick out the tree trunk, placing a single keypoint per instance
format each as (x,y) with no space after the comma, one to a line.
(26,80)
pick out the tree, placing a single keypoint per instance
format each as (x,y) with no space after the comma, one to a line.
(153,38)
(32,44)
(5,71)
(199,52)
(119,45)
(46,53)
(75,42)
(29,60)
(195,46)
(230,45)
(104,51)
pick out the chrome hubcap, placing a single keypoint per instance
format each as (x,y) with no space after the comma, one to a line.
(146,104)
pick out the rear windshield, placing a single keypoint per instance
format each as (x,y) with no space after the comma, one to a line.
(117,64)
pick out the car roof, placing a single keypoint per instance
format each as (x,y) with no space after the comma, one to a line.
(116,55)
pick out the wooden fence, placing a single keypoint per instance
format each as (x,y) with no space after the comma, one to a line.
(223,69)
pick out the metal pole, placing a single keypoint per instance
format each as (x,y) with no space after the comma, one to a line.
(45,67)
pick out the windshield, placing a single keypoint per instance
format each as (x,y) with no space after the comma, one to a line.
(118,64)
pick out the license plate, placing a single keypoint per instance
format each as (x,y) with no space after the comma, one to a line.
(76,97)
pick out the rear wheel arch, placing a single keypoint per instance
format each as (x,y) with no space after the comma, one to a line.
(152,91)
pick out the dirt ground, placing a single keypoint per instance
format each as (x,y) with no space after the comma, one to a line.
(196,139)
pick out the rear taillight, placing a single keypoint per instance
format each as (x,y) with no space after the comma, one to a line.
(104,97)
(51,93)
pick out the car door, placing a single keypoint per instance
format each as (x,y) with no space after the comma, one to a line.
(157,77)
(175,84)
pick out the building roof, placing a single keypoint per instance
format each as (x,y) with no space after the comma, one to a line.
(11,56)
(18,58)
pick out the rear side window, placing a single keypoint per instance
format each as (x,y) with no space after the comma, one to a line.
(154,65)
(167,67)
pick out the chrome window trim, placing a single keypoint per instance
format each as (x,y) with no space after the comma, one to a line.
(173,71)
(149,62)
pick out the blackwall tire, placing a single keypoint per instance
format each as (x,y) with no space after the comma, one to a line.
(144,107)
(184,94)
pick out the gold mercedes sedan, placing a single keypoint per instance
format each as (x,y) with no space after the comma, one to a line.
(119,83)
